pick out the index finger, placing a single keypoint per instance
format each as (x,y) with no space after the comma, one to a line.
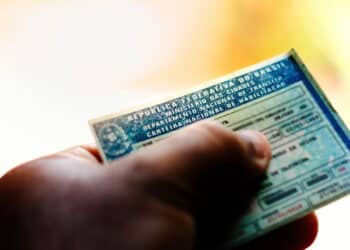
(297,235)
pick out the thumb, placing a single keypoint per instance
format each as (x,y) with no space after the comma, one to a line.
(204,169)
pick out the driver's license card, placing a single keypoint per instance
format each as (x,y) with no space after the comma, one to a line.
(279,97)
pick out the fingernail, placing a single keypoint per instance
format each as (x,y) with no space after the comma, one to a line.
(259,144)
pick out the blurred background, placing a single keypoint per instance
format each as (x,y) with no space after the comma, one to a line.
(65,62)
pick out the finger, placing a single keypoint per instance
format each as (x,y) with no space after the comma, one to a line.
(93,151)
(297,235)
(205,169)
(88,152)
(199,151)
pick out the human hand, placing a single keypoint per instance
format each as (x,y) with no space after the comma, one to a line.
(181,193)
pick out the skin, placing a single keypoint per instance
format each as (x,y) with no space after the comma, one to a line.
(181,193)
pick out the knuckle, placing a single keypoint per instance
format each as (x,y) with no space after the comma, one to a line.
(214,138)
(205,132)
